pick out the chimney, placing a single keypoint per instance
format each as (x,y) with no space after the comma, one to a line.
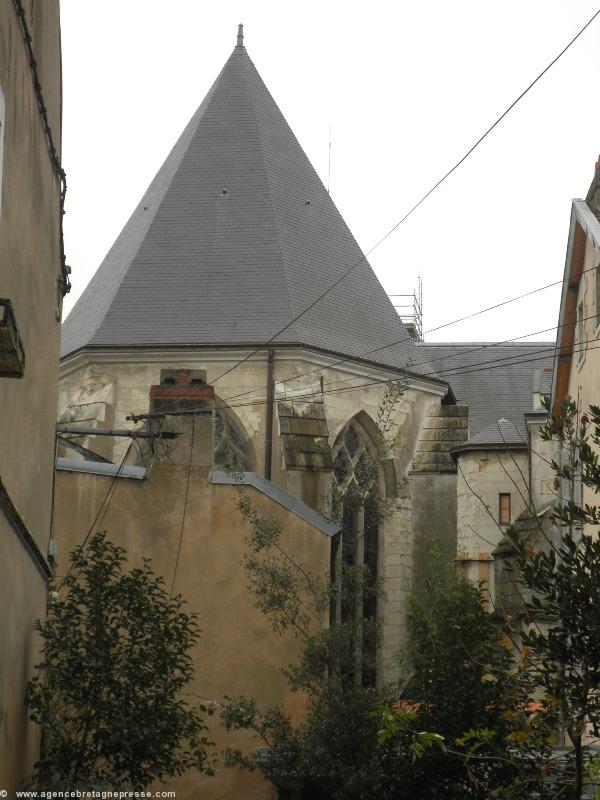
(185,390)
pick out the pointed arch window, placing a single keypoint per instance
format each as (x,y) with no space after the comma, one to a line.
(356,479)
(230,450)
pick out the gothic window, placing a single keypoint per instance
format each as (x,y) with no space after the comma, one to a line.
(355,474)
(231,453)
(352,466)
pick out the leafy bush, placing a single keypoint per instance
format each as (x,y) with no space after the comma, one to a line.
(116,657)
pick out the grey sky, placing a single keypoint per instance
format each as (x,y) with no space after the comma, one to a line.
(406,88)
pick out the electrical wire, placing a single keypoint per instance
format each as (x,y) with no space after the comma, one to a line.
(200,411)
(438,183)
(428,361)
(539,353)
(104,505)
(65,284)
(185,503)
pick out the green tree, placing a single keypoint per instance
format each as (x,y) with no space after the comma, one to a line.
(334,752)
(468,689)
(561,583)
(108,696)
(555,642)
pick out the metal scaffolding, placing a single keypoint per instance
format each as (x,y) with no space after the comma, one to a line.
(410,310)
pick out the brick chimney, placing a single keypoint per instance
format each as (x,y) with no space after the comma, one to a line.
(185,390)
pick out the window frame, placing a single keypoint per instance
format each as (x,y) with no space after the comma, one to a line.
(502,521)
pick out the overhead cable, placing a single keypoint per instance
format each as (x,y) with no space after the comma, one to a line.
(427,194)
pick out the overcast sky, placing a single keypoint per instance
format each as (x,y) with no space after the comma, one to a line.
(406,87)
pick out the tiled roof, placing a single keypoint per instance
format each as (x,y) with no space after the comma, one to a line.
(234,238)
(502,432)
(494,380)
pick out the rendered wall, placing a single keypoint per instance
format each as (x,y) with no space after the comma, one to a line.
(130,375)
(238,653)
(584,378)
(483,475)
(29,271)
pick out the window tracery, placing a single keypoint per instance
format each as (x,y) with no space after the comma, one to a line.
(356,485)
(352,462)
(230,451)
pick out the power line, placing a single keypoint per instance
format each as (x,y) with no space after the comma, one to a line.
(415,206)
(426,362)
(429,361)
(497,305)
(65,285)
(185,502)
(104,505)
(484,366)
(447,324)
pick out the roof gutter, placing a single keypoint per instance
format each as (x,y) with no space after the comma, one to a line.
(476,446)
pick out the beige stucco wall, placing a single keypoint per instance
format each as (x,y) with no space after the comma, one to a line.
(483,475)
(130,376)
(29,270)
(238,654)
(542,483)
(584,378)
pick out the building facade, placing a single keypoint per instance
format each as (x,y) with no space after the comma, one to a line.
(577,364)
(236,276)
(32,282)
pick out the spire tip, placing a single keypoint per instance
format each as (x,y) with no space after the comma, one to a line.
(240,35)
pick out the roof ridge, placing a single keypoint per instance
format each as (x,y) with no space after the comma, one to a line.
(240,239)
(274,215)
(177,154)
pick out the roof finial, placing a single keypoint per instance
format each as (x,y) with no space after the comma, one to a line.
(240,39)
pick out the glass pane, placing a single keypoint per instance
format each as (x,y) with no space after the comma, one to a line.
(340,467)
(351,441)
(362,472)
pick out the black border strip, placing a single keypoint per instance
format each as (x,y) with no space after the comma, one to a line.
(17,523)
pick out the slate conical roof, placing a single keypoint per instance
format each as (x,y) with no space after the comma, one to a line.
(234,238)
